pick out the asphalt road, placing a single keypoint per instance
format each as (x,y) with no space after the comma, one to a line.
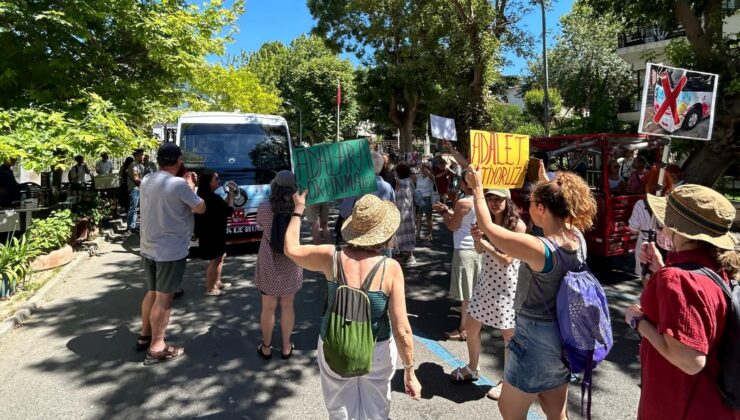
(75,358)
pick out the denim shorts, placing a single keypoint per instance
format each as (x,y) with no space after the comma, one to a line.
(426,208)
(535,357)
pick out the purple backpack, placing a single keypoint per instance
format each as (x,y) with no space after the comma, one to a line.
(583,320)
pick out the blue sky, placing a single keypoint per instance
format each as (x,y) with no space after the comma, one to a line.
(284,20)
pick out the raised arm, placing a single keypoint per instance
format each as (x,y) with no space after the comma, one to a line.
(516,244)
(453,219)
(458,157)
(310,257)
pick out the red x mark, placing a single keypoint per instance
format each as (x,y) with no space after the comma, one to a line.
(670,97)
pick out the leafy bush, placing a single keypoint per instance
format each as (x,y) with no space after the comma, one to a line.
(48,234)
(534,102)
(15,260)
(92,209)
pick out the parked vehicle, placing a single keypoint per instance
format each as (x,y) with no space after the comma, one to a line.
(248,149)
(588,156)
(693,103)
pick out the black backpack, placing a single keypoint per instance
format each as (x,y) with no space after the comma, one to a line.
(728,379)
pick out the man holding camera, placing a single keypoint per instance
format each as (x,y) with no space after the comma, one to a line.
(167,206)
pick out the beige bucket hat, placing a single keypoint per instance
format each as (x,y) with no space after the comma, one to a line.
(373,222)
(696,212)
(499,192)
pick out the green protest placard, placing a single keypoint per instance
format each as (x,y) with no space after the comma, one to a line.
(334,170)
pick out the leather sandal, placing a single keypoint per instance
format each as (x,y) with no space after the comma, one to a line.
(142,343)
(290,353)
(456,335)
(169,353)
(260,349)
(464,374)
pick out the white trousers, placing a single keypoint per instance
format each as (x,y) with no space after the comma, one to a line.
(362,397)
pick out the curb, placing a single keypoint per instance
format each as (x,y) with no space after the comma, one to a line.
(37,300)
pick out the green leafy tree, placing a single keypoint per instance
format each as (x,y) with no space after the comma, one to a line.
(585,68)
(504,118)
(131,53)
(306,74)
(707,48)
(229,88)
(534,103)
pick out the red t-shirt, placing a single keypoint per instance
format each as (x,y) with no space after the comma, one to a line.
(692,309)
(442,181)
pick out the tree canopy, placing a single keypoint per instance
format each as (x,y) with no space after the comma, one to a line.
(707,47)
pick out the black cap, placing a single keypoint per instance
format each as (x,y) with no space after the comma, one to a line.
(138,152)
(168,153)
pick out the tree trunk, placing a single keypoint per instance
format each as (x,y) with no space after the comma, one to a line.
(407,135)
(705,166)
(403,115)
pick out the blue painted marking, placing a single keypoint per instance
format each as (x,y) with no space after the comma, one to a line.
(451,360)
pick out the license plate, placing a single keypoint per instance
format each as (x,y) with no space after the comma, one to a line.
(236,230)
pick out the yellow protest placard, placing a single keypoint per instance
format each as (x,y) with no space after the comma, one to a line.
(501,157)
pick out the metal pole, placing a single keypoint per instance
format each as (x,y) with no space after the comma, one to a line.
(300,125)
(547,81)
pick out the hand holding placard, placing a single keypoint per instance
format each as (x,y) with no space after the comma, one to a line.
(501,158)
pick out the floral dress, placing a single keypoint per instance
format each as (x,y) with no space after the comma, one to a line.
(275,274)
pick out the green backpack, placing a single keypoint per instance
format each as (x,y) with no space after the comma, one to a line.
(349,343)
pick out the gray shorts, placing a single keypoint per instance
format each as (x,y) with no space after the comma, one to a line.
(163,276)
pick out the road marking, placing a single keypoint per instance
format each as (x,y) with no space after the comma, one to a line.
(453,361)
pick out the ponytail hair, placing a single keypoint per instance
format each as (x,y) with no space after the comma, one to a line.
(568,197)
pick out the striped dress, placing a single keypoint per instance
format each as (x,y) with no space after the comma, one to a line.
(406,234)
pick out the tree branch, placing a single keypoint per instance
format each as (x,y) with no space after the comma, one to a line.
(700,42)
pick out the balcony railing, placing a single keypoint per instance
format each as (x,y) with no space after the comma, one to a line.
(647,35)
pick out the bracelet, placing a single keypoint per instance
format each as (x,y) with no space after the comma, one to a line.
(405,366)
(300,215)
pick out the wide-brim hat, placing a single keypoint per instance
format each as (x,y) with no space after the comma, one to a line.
(373,222)
(499,192)
(696,212)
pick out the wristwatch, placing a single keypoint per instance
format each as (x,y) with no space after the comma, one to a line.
(635,321)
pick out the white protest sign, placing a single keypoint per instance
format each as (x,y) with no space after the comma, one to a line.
(443,128)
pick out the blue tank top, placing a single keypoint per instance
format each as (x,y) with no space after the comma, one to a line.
(380,321)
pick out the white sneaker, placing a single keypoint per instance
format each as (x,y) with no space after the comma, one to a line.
(411,261)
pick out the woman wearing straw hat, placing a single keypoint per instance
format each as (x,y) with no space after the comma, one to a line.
(276,276)
(682,314)
(367,231)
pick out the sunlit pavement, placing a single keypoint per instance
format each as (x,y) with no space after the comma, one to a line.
(75,358)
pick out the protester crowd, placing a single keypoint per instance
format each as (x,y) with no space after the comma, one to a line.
(503,275)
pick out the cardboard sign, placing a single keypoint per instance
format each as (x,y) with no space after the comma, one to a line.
(678,102)
(443,128)
(334,170)
(501,158)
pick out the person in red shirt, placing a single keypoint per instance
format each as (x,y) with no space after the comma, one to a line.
(682,314)
(442,179)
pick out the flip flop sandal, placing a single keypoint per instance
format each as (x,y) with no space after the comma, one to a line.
(142,343)
(287,356)
(169,353)
(216,293)
(495,392)
(261,347)
(225,286)
(464,374)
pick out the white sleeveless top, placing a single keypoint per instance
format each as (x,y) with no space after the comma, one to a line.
(462,237)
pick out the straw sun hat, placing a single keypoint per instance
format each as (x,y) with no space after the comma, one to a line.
(698,213)
(373,222)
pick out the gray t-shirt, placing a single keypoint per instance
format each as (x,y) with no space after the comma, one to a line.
(166,216)
(133,168)
(532,301)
